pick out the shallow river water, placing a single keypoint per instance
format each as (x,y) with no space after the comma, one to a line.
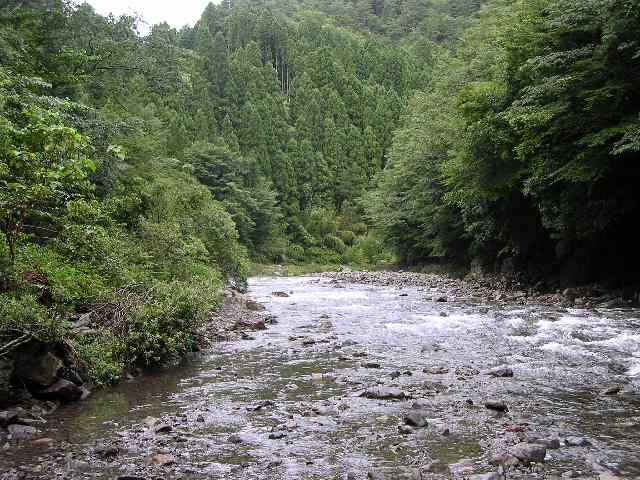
(332,341)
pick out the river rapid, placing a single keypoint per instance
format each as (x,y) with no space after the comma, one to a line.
(292,402)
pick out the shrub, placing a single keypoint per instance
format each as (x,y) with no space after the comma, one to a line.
(348,237)
(359,228)
(334,243)
(296,252)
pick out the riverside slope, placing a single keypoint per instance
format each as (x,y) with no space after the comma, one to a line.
(364,380)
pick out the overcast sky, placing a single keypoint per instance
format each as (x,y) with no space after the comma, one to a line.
(175,13)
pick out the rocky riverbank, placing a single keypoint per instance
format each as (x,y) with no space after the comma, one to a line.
(37,378)
(491,289)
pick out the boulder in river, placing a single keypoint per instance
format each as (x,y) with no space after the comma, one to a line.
(496,405)
(62,390)
(384,393)
(254,306)
(485,476)
(417,418)
(280,294)
(529,453)
(577,442)
(500,372)
(250,324)
(612,390)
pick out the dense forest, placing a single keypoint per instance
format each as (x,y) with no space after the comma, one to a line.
(140,174)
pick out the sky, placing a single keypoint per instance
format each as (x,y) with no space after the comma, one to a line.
(175,13)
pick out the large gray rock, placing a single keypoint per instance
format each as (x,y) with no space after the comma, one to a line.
(500,372)
(417,418)
(529,453)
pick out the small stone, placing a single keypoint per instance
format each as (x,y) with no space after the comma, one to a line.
(163,428)
(577,442)
(497,405)
(371,365)
(405,429)
(277,435)
(280,294)
(436,370)
(612,390)
(442,299)
(130,477)
(162,460)
(529,453)
(235,439)
(500,372)
(384,393)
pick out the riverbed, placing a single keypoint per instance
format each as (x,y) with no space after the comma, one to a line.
(291,402)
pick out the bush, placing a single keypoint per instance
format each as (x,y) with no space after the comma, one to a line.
(374,250)
(359,228)
(296,253)
(334,243)
(348,237)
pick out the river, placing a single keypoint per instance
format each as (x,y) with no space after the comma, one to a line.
(287,403)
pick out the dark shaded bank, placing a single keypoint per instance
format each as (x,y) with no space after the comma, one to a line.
(36,378)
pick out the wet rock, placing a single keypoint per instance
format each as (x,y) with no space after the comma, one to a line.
(529,453)
(436,370)
(37,366)
(277,435)
(260,405)
(442,299)
(8,417)
(577,442)
(235,439)
(163,428)
(62,390)
(21,432)
(417,418)
(371,365)
(496,405)
(6,369)
(612,390)
(254,306)
(130,477)
(500,372)
(384,393)
(280,294)
(162,460)
(405,430)
(250,324)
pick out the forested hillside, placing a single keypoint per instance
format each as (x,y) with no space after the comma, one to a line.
(141,173)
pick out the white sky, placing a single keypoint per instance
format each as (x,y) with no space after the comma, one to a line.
(175,13)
